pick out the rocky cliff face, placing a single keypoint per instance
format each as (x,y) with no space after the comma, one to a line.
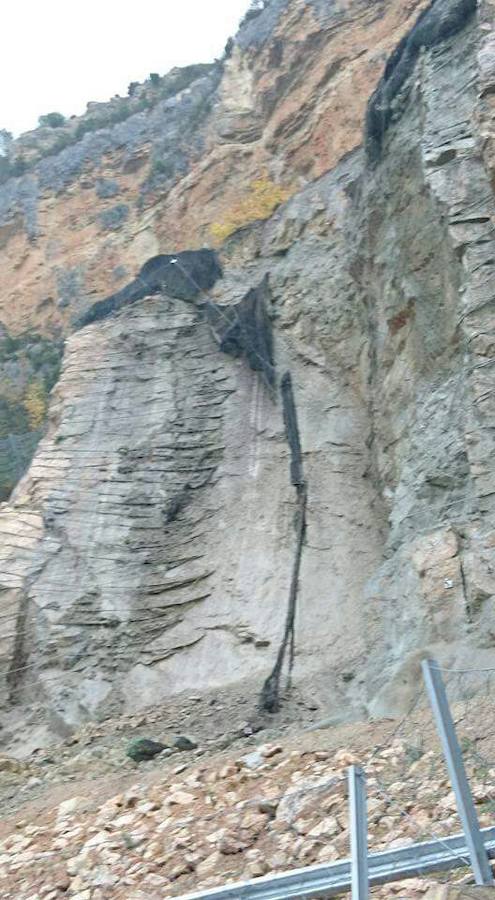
(150,547)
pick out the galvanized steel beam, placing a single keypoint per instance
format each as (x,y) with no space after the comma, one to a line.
(335,878)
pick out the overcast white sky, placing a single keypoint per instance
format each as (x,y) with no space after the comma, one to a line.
(56,55)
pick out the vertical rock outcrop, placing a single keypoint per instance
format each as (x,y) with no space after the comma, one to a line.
(429,250)
(164,542)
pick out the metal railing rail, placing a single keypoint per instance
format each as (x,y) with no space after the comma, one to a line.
(358,823)
(334,878)
(455,765)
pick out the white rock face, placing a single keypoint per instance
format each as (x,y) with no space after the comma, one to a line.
(164,556)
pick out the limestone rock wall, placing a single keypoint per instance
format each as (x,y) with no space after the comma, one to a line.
(429,274)
(164,536)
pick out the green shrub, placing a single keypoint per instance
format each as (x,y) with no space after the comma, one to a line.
(113,219)
(167,86)
(52,120)
(143,749)
(60,144)
(163,167)
(111,117)
(19,166)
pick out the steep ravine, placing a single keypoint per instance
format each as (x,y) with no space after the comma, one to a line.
(149,549)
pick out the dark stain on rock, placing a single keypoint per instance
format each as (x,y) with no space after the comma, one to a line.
(397,322)
(183,276)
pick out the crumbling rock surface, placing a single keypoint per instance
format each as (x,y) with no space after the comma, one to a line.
(118,831)
(429,253)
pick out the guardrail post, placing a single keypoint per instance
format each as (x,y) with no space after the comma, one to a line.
(455,765)
(359,833)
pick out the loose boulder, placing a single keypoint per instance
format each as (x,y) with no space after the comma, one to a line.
(184,743)
(143,749)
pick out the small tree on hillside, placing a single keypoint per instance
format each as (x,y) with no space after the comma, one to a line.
(52,120)
(5,141)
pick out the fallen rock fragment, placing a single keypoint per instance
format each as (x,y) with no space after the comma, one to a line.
(269,750)
(69,807)
(182,742)
(253,760)
(143,749)
(180,798)
(14,766)
(450,892)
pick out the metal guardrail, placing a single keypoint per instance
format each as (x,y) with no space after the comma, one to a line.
(358,828)
(334,878)
(455,765)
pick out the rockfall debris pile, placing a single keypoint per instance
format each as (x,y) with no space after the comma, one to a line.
(190,820)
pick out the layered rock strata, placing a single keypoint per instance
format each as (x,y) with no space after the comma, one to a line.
(150,545)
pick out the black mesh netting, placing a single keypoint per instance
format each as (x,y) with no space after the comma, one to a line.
(246,330)
(439,21)
(183,275)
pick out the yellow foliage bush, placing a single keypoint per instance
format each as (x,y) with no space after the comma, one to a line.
(260,202)
(35,404)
